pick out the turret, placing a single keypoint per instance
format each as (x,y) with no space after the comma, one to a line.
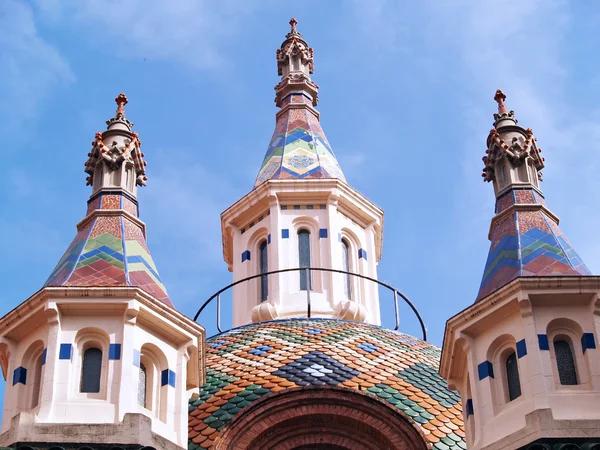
(524,356)
(302,214)
(99,355)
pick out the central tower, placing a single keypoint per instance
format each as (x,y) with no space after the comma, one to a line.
(302,214)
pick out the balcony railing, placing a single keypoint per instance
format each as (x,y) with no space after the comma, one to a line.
(307,274)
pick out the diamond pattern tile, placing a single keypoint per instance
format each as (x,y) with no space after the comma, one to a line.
(527,243)
(109,251)
(298,148)
(247,363)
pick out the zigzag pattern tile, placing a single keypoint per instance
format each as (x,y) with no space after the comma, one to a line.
(538,248)
(109,251)
(247,363)
(298,148)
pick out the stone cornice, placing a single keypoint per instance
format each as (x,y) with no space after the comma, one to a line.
(297,106)
(112,213)
(518,208)
(124,294)
(534,284)
(314,189)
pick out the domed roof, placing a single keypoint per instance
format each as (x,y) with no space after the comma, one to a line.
(249,362)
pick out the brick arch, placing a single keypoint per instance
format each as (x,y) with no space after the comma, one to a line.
(320,418)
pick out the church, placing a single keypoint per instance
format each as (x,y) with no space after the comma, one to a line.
(99,358)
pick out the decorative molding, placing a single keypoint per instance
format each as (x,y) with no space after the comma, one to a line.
(246,255)
(485,369)
(66,351)
(114,351)
(543,342)
(521,348)
(470,410)
(167,377)
(137,358)
(588,341)
(20,375)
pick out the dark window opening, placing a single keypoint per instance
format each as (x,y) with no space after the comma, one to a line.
(565,363)
(264,268)
(512,377)
(346,267)
(91,370)
(304,257)
(142,386)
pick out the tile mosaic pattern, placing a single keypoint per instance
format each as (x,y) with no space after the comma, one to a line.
(299,148)
(109,251)
(247,363)
(527,243)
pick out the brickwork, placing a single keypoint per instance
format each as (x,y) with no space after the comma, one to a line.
(321,418)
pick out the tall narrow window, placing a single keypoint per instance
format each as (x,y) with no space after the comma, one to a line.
(346,267)
(142,386)
(37,381)
(264,268)
(565,362)
(512,377)
(304,256)
(91,369)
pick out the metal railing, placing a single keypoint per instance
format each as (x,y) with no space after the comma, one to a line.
(307,273)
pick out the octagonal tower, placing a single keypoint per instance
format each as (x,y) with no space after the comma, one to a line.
(302,213)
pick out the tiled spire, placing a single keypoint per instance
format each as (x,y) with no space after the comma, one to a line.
(298,148)
(110,246)
(526,238)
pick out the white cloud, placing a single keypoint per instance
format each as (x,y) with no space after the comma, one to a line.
(30,66)
(188,31)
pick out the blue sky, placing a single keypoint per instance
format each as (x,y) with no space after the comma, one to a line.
(406,101)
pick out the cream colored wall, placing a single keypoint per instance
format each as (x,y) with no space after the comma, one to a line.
(285,297)
(485,332)
(94,323)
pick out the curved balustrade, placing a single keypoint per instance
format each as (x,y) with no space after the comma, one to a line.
(307,271)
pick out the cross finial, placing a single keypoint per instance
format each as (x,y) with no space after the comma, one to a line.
(500,97)
(293,23)
(121,101)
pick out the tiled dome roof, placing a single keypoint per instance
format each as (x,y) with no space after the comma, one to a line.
(255,360)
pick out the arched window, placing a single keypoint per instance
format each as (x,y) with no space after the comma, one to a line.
(263,262)
(565,362)
(37,381)
(304,256)
(142,386)
(91,370)
(512,377)
(346,267)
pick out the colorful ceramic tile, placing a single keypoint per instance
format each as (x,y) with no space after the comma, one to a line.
(257,360)
(298,148)
(527,243)
(110,250)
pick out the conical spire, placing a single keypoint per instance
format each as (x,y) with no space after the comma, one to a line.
(298,148)
(526,238)
(110,246)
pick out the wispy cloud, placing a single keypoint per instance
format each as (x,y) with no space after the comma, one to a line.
(30,66)
(188,31)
